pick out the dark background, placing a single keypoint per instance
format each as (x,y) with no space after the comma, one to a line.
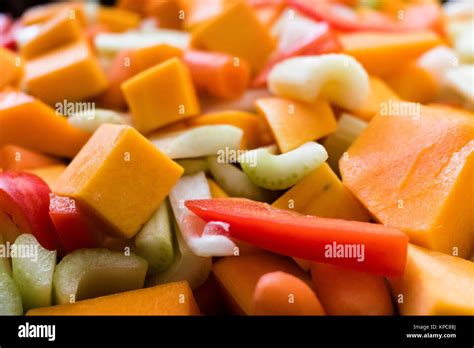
(17,7)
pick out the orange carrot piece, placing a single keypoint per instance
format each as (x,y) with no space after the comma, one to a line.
(218,74)
(14,157)
(346,292)
(280,293)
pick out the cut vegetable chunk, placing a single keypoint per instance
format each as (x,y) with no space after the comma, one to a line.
(434,284)
(238,277)
(358,245)
(199,141)
(236,30)
(12,68)
(89,273)
(121,177)
(433,177)
(48,132)
(14,157)
(49,174)
(337,77)
(279,172)
(161,95)
(5,266)
(90,121)
(382,53)
(322,193)
(168,299)
(10,298)
(70,72)
(155,240)
(32,269)
(280,293)
(293,123)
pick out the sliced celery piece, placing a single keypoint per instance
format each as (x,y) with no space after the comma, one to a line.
(32,269)
(10,298)
(89,273)
(193,166)
(93,119)
(234,181)
(155,240)
(278,172)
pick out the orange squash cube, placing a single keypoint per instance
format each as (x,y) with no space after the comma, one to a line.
(161,95)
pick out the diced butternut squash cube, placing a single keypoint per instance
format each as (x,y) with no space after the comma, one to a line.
(381,53)
(412,167)
(117,19)
(295,123)
(238,31)
(249,123)
(59,30)
(166,13)
(49,174)
(238,276)
(161,95)
(119,176)
(379,92)
(14,157)
(69,73)
(12,67)
(43,13)
(434,284)
(167,299)
(321,193)
(413,82)
(27,122)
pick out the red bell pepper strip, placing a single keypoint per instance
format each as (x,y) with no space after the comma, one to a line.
(314,39)
(24,205)
(74,228)
(362,246)
(344,18)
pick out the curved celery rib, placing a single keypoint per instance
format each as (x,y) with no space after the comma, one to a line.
(93,119)
(279,172)
(337,77)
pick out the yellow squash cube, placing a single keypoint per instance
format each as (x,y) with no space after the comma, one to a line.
(321,193)
(69,73)
(120,177)
(237,31)
(161,95)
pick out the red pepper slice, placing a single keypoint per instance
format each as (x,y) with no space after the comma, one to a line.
(362,246)
(339,16)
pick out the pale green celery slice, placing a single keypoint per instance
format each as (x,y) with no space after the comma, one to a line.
(199,141)
(234,181)
(32,269)
(5,266)
(278,172)
(348,129)
(89,273)
(90,120)
(10,298)
(155,240)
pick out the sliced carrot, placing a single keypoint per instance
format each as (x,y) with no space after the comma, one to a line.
(249,123)
(47,132)
(294,123)
(167,299)
(280,293)
(346,292)
(382,53)
(14,157)
(379,92)
(238,277)
(218,74)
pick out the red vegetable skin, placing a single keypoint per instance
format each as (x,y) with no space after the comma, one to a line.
(341,17)
(7,28)
(309,237)
(316,39)
(24,206)
(73,226)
